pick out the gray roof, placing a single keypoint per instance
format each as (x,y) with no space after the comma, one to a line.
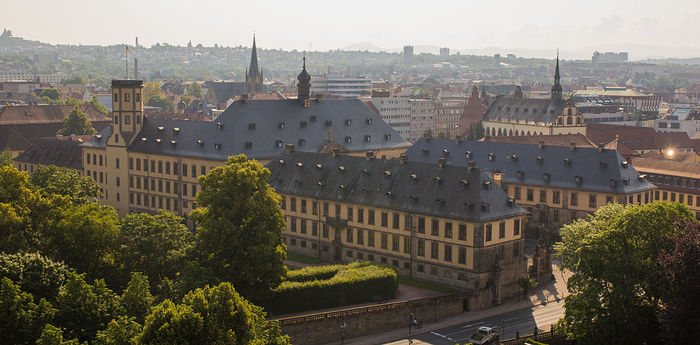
(524,109)
(559,166)
(227,89)
(262,128)
(460,193)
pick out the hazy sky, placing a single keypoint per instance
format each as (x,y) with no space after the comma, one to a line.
(328,24)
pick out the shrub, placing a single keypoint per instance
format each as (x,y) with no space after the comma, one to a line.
(331,286)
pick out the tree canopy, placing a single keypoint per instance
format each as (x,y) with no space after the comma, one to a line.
(164,103)
(194,90)
(76,122)
(151,89)
(51,93)
(616,287)
(240,226)
(63,181)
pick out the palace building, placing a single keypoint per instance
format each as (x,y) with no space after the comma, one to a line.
(432,221)
(556,184)
(519,116)
(143,164)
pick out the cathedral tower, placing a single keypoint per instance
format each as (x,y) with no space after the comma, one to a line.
(254,74)
(556,88)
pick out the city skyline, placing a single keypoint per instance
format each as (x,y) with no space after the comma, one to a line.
(533,29)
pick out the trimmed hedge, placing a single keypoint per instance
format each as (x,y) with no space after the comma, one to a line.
(322,287)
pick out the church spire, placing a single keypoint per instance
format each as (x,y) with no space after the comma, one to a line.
(254,77)
(556,88)
(304,85)
(253,69)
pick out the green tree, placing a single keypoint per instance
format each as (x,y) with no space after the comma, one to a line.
(151,89)
(615,287)
(6,157)
(194,90)
(21,320)
(99,106)
(120,331)
(428,133)
(85,237)
(680,276)
(156,245)
(34,273)
(51,93)
(76,79)
(76,122)
(136,298)
(175,324)
(66,182)
(83,309)
(52,335)
(164,103)
(241,224)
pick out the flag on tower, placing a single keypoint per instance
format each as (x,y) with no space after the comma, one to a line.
(127,48)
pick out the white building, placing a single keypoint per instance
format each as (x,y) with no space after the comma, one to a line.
(396,111)
(338,85)
(685,119)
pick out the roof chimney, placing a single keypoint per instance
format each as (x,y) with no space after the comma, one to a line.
(442,162)
(572,145)
(335,152)
(403,158)
(540,144)
(244,98)
(290,148)
(369,155)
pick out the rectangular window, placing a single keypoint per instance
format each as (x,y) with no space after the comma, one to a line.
(516,227)
(592,200)
(385,241)
(574,199)
(175,169)
(314,208)
(194,190)
(337,210)
(462,232)
(448,253)
(325,209)
(314,229)
(517,193)
(487,232)
(203,170)
(303,226)
(350,215)
(138,164)
(160,185)
(385,220)
(360,215)
(348,236)
(184,170)
(303,205)
(435,228)
(530,194)
(543,195)
(167,186)
(395,243)
(100,160)
(448,229)
(395,220)
(502,230)
(194,170)
(184,189)
(160,167)
(324,230)
(462,256)
(406,244)
(293,203)
(88,158)
(292,224)
(370,217)
(421,248)
(145,183)
(167,168)
(556,196)
(407,222)
(360,237)
(421,225)
(370,238)
(434,251)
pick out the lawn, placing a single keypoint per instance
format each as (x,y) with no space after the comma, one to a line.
(426,285)
(303,259)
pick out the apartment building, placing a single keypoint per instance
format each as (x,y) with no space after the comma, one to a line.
(432,221)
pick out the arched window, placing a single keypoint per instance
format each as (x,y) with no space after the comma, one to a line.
(500,133)
(569,111)
(510,132)
(569,121)
(578,120)
(560,122)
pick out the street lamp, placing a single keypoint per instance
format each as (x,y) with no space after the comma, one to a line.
(342,331)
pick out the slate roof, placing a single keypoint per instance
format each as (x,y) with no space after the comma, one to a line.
(524,109)
(451,191)
(676,140)
(555,140)
(62,152)
(666,167)
(262,128)
(46,113)
(551,166)
(227,89)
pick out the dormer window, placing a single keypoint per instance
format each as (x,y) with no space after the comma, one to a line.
(487,184)
(160,128)
(578,179)
(389,194)
(341,169)
(217,146)
(368,138)
(546,176)
(143,140)
(300,164)
(319,166)
(469,154)
(219,126)
(626,180)
(280,125)
(613,182)
(387,136)
(158,140)
(312,118)
(320,184)
(369,121)
(414,177)
(329,123)
(469,205)
(464,181)
(200,142)
(251,126)
(603,165)
(625,164)
(520,174)
(173,142)
(445,152)
(485,206)
(438,180)
(514,157)
(567,161)
(348,139)
(176,130)
(642,177)
(278,144)
(303,124)
(348,122)
(386,172)
(492,156)
(248,145)
(302,142)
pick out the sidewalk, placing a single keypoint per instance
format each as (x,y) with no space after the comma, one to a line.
(550,292)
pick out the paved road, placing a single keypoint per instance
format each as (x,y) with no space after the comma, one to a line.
(523,321)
